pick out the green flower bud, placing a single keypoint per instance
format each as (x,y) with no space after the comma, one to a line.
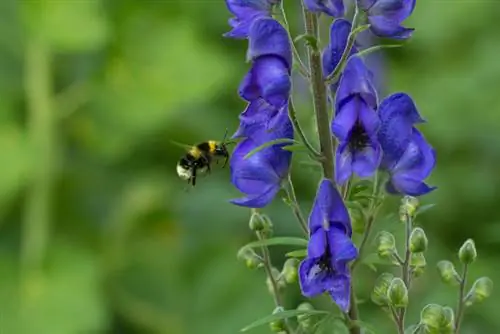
(448,273)
(278,326)
(437,319)
(379,293)
(417,264)
(408,208)
(290,270)
(305,320)
(260,223)
(252,260)
(280,282)
(467,253)
(397,293)
(418,240)
(386,244)
(481,289)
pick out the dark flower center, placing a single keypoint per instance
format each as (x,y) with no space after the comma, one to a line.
(359,138)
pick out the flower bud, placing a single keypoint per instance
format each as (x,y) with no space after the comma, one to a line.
(380,291)
(448,273)
(397,293)
(252,260)
(467,253)
(280,282)
(418,240)
(417,264)
(481,289)
(408,208)
(290,270)
(278,325)
(260,223)
(305,320)
(386,244)
(437,319)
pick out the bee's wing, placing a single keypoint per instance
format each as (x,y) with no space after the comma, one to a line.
(184,146)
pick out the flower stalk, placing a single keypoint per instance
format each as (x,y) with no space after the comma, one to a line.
(461,298)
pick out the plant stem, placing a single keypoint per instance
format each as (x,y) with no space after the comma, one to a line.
(319,97)
(405,269)
(41,132)
(290,191)
(269,272)
(461,303)
(298,129)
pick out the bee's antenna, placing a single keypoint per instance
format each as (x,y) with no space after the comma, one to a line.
(225,136)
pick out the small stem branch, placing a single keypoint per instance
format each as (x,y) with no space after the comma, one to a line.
(298,129)
(461,296)
(292,197)
(405,269)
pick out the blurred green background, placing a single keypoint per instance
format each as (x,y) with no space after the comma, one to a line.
(98,235)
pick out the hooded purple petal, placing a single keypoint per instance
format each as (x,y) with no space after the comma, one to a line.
(398,114)
(397,10)
(256,117)
(333,8)
(341,247)
(386,16)
(384,27)
(312,279)
(267,37)
(268,79)
(259,200)
(345,118)
(339,32)
(340,289)
(366,161)
(356,79)
(343,163)
(245,12)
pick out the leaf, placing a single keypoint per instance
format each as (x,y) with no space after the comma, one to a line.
(290,241)
(300,253)
(368,329)
(281,315)
(375,48)
(360,29)
(309,40)
(424,208)
(268,144)
(295,148)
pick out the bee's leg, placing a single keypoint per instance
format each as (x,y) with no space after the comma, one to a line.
(225,162)
(207,162)
(193,177)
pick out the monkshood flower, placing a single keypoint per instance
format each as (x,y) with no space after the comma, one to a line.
(270,52)
(245,13)
(260,176)
(385,17)
(330,248)
(339,32)
(333,8)
(356,123)
(257,117)
(407,156)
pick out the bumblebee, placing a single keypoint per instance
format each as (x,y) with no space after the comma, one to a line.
(199,158)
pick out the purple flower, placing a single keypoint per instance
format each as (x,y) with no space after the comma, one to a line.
(333,8)
(245,13)
(255,118)
(330,248)
(356,123)
(407,156)
(260,176)
(271,56)
(385,17)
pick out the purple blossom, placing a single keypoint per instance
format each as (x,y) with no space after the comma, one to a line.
(407,156)
(385,17)
(330,248)
(333,8)
(259,176)
(245,13)
(271,56)
(356,123)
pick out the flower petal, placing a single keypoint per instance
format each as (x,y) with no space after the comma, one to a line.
(341,247)
(356,79)
(260,200)
(419,158)
(333,8)
(268,79)
(339,32)
(366,161)
(317,244)
(405,185)
(396,10)
(343,163)
(267,37)
(312,279)
(346,117)
(384,27)
(368,117)
(340,290)
(245,12)
(256,117)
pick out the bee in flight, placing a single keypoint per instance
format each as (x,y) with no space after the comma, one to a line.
(199,158)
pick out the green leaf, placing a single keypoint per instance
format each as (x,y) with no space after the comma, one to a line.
(281,315)
(300,253)
(309,40)
(360,29)
(295,148)
(375,48)
(268,144)
(368,329)
(289,241)
(424,208)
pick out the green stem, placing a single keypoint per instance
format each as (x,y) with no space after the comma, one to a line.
(298,129)
(461,297)
(292,197)
(405,270)
(355,30)
(41,132)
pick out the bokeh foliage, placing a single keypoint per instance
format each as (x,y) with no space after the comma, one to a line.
(97,233)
